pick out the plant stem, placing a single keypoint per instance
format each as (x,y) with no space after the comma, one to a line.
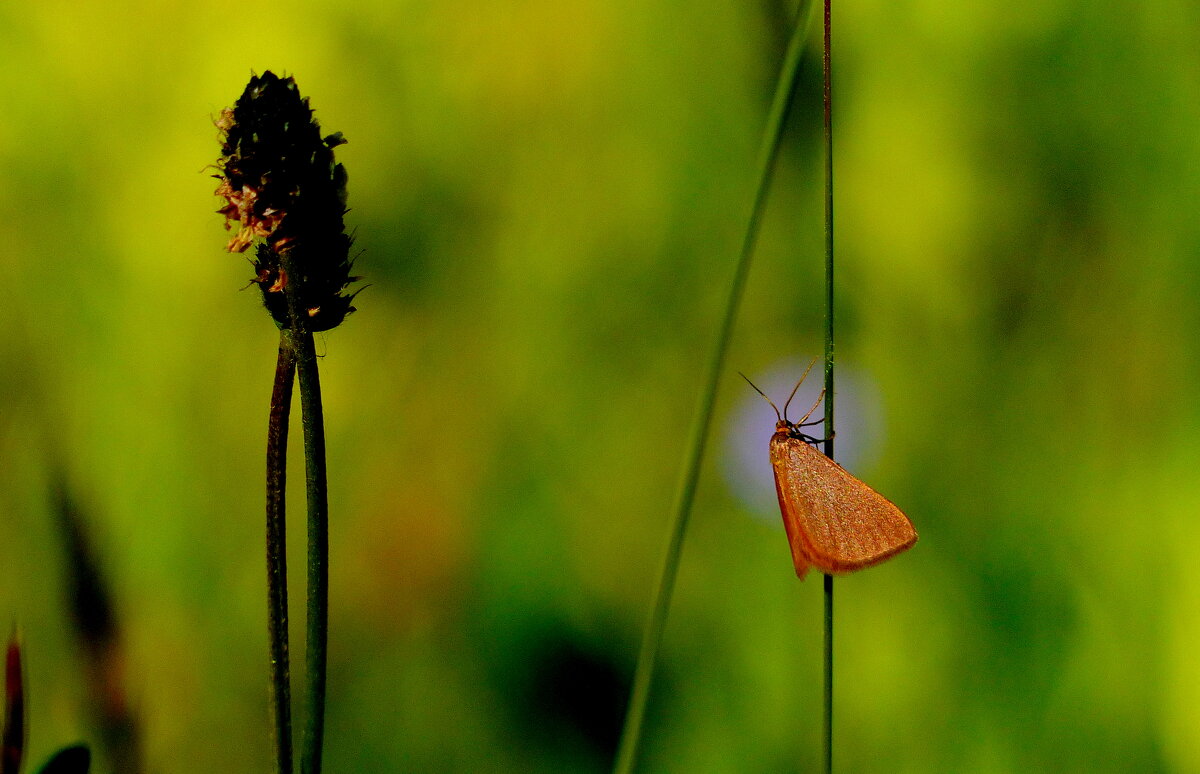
(829,393)
(827,698)
(277,602)
(318,552)
(652,635)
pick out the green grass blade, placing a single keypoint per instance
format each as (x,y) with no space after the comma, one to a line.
(652,636)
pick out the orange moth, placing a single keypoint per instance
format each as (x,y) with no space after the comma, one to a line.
(834,522)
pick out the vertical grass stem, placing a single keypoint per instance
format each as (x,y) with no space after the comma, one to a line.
(826,68)
(277,601)
(318,553)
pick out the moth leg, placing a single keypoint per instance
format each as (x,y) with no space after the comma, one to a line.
(814,441)
(804,418)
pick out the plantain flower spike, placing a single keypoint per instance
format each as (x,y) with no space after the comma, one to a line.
(282,186)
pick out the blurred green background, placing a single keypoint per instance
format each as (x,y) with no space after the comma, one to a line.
(548,198)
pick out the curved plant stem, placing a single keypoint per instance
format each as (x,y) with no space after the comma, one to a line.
(277,601)
(827,713)
(318,553)
(652,636)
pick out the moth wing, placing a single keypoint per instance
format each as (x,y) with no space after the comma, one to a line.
(793,522)
(834,521)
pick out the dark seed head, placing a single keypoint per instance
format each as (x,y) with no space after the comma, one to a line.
(281,183)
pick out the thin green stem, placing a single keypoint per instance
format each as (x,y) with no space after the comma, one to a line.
(828,109)
(277,601)
(827,698)
(829,392)
(317,489)
(652,635)
(318,553)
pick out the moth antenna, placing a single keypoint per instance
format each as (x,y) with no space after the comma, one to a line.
(814,407)
(760,392)
(802,377)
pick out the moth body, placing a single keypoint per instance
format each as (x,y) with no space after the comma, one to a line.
(834,521)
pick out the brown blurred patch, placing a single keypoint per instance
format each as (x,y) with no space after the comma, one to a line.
(96,627)
(405,550)
(13,739)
